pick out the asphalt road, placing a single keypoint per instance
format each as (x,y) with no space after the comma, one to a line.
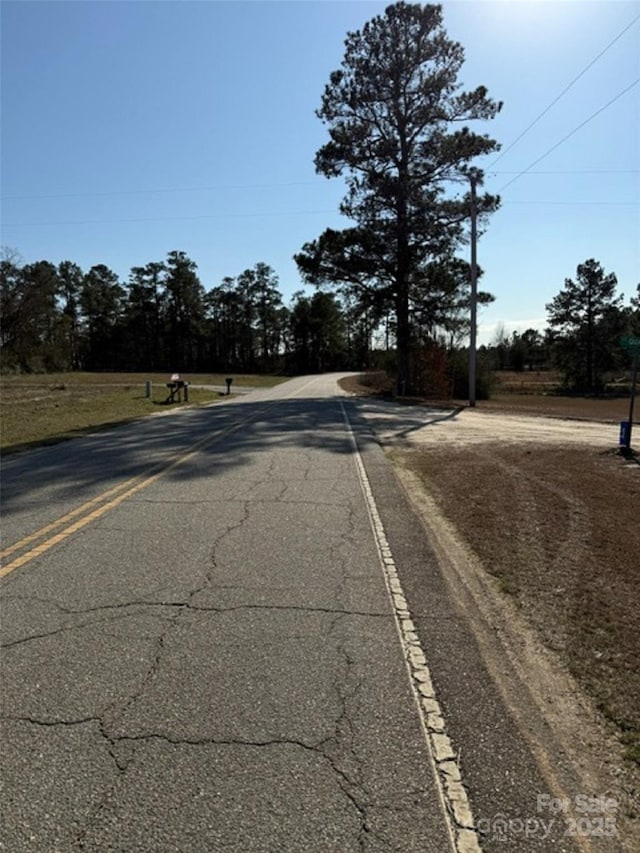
(224,630)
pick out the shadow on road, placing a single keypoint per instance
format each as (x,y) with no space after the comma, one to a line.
(227,436)
(230,435)
(381,415)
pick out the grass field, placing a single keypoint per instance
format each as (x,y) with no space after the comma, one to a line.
(47,408)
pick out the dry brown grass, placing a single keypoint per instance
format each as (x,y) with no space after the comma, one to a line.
(560,527)
(48,412)
(539,381)
(528,393)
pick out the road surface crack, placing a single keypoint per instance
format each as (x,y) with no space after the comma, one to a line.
(180,606)
(339,747)
(106,619)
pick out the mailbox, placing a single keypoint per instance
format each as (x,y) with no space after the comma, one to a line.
(176,387)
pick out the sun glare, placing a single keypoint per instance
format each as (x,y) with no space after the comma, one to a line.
(543,20)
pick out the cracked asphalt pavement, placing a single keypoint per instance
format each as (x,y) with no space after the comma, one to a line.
(225,630)
(212,663)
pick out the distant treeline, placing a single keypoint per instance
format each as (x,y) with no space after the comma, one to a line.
(58,318)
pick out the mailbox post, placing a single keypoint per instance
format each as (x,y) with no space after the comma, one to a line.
(229,380)
(176,387)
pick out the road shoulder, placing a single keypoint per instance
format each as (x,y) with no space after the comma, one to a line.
(501,689)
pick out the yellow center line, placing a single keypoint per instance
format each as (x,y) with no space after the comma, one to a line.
(99,511)
(17,546)
(73,528)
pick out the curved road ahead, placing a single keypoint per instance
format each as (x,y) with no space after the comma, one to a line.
(223,629)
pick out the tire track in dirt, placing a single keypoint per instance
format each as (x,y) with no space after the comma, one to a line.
(555,719)
(536,510)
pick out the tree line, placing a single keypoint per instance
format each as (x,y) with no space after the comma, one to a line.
(59,317)
(399,126)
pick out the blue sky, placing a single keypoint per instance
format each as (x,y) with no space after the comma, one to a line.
(131,128)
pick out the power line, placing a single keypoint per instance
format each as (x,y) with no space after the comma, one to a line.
(569,135)
(571,172)
(169,218)
(565,90)
(159,190)
(579,203)
(214,188)
(285,213)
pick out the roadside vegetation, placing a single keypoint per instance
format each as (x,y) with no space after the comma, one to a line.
(537,392)
(557,526)
(48,408)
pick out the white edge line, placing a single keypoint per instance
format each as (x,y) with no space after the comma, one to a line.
(453,796)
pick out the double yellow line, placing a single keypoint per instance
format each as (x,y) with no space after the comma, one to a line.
(83,515)
(71,522)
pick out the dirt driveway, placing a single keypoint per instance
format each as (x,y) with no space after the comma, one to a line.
(539,519)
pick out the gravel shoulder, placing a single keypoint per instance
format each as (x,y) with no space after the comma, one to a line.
(536,519)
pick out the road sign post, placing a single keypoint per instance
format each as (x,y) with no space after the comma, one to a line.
(633,346)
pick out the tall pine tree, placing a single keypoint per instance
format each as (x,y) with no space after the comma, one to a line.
(398,127)
(577,315)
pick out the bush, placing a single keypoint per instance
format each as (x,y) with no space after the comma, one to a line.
(485,381)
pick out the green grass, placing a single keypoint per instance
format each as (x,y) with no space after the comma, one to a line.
(46,380)
(48,408)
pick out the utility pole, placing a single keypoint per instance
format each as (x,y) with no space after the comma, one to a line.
(473,178)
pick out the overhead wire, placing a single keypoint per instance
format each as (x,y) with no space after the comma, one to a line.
(169,218)
(579,203)
(564,91)
(129,220)
(570,172)
(569,135)
(216,188)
